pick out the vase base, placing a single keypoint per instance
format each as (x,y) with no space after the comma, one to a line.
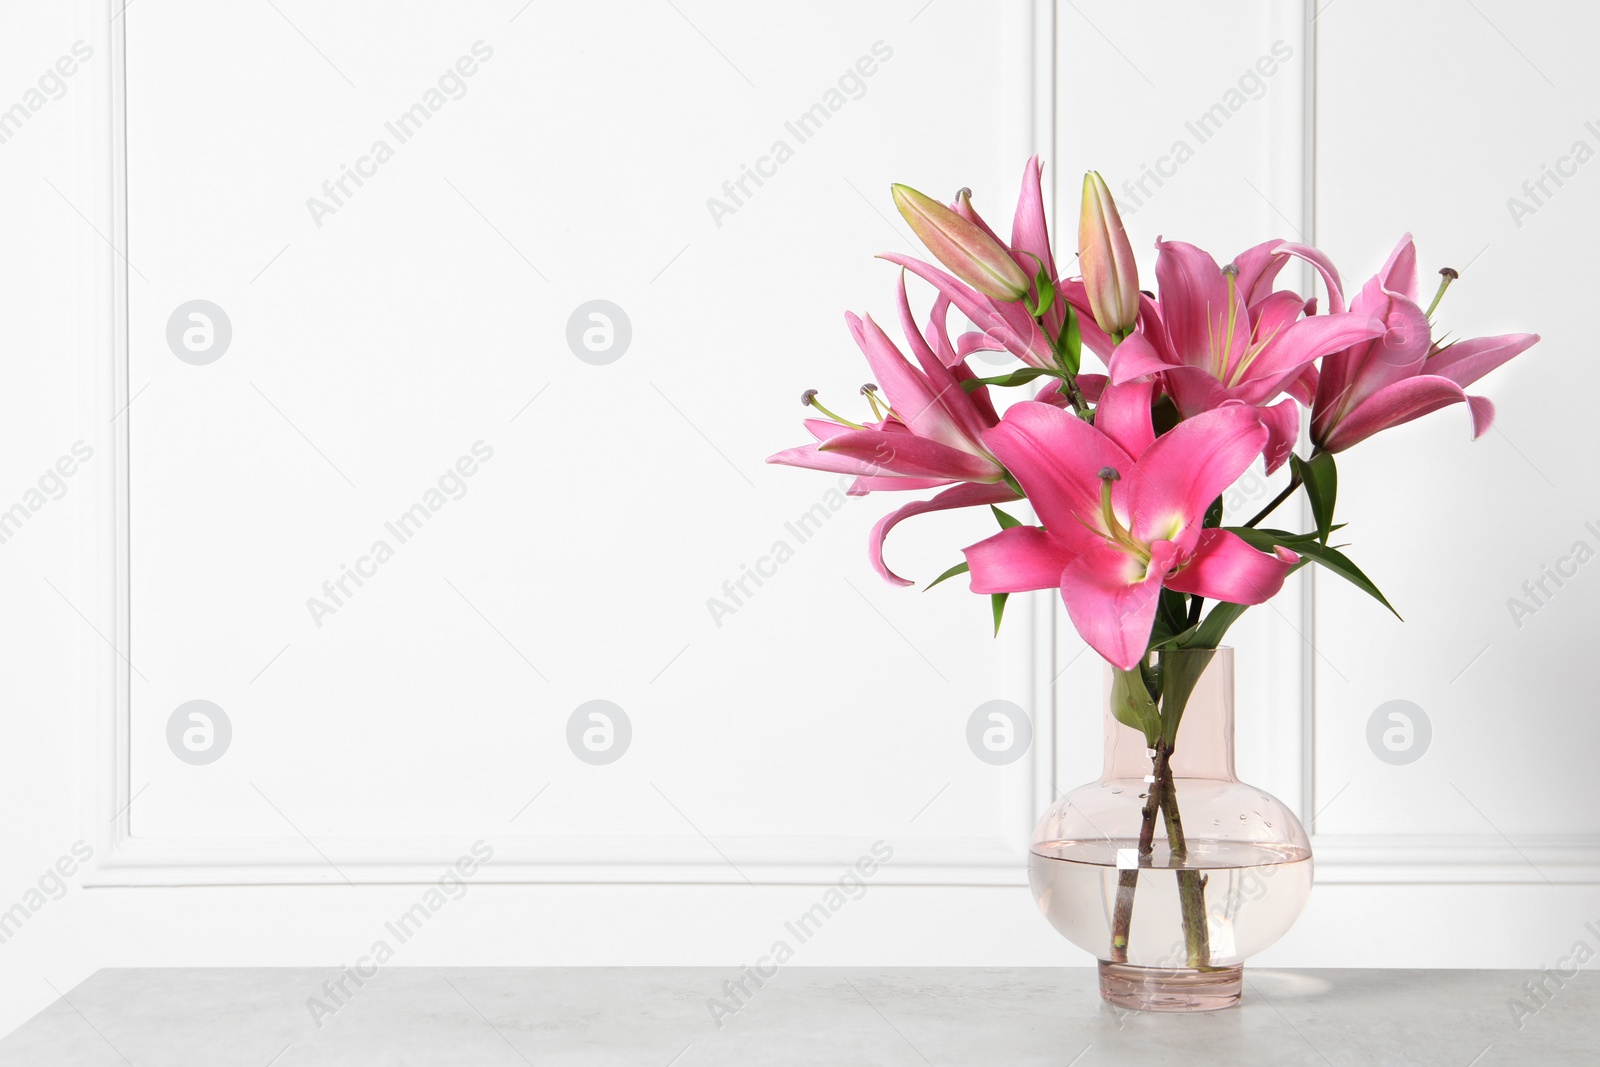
(1170,988)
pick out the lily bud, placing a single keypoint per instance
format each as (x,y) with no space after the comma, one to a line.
(1109,272)
(962,205)
(963,246)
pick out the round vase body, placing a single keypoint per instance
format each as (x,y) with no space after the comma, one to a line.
(1169,869)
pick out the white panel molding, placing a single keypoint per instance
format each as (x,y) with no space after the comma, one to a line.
(1472,859)
(1379,858)
(124,859)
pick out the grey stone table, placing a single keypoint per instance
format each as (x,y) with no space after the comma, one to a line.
(656,1017)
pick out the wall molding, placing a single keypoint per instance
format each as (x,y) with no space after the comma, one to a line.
(1475,859)
(1406,859)
(1027,788)
(123,858)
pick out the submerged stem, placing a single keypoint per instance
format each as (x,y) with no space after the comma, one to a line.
(1128,880)
(1162,797)
(1191,886)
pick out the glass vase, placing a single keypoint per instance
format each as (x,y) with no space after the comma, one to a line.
(1169,869)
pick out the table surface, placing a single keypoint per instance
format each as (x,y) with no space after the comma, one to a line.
(656,1017)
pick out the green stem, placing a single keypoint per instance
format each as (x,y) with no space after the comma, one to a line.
(1069,381)
(1128,880)
(1191,885)
(1075,395)
(1288,491)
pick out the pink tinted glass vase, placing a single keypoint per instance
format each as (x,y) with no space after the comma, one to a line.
(1169,869)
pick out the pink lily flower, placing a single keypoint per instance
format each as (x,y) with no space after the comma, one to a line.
(1403,374)
(1218,334)
(1123,515)
(932,434)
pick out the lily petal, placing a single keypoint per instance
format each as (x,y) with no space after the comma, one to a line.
(1111,598)
(1187,468)
(1304,386)
(1124,416)
(812,457)
(1282,421)
(1029,231)
(1399,403)
(1030,236)
(1134,358)
(1016,560)
(957,496)
(1325,267)
(1258,268)
(1092,386)
(1223,567)
(1194,390)
(1307,340)
(888,483)
(1194,301)
(1007,323)
(906,454)
(947,390)
(909,393)
(1031,440)
(1466,361)
(1399,273)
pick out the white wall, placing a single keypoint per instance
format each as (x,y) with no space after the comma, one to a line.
(373,350)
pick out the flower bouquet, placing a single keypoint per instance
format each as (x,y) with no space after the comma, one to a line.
(1168,868)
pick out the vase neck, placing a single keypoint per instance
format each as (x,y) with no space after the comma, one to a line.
(1204,744)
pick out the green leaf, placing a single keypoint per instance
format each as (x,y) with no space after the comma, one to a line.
(1006,521)
(1213,514)
(1213,627)
(1131,704)
(1047,294)
(1164,415)
(997,601)
(1171,617)
(1016,377)
(1180,671)
(1340,564)
(959,568)
(1160,640)
(1069,347)
(1321,479)
(1287,539)
(1330,558)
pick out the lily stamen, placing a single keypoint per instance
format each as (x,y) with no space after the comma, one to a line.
(870,391)
(1219,352)
(1446,276)
(1116,533)
(809,399)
